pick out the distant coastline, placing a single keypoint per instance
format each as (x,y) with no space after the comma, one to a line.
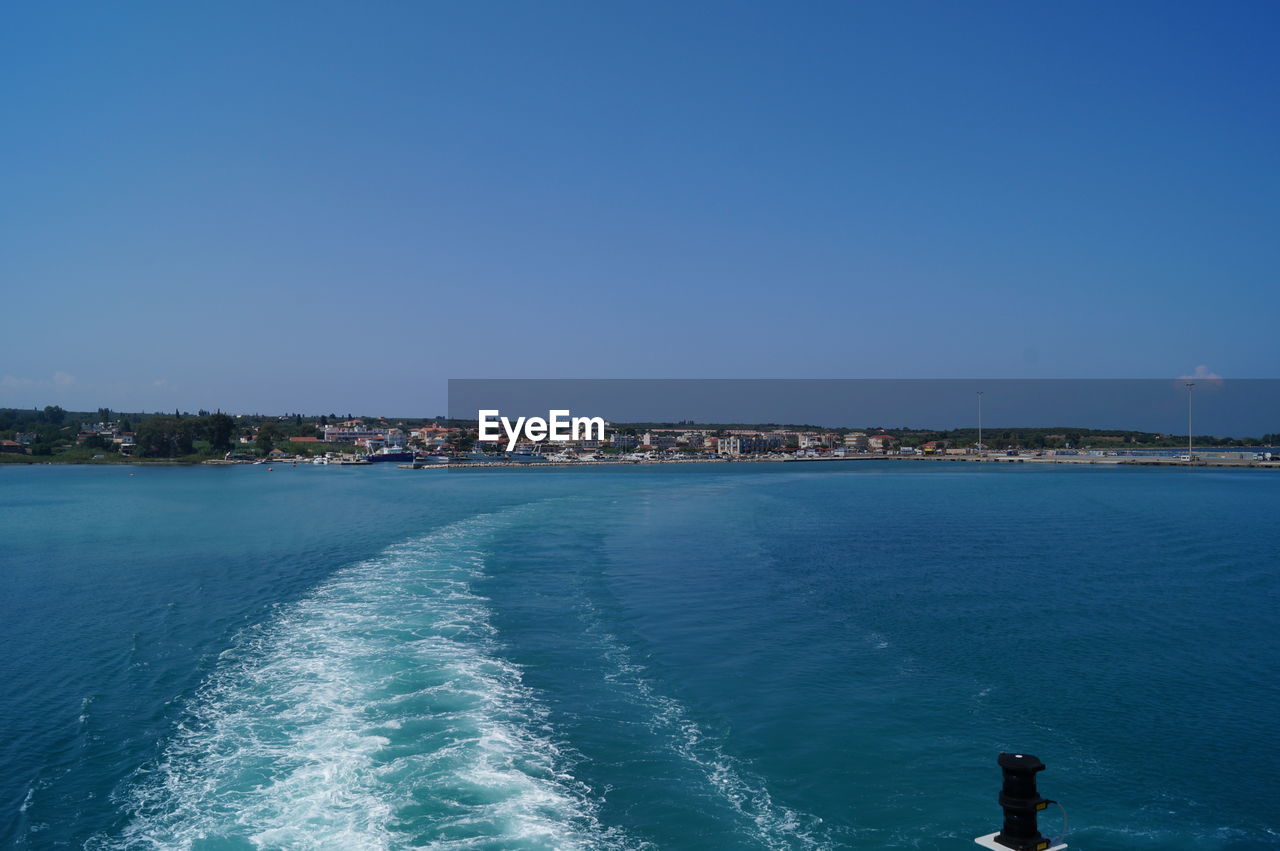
(56,436)
(1083,460)
(953,459)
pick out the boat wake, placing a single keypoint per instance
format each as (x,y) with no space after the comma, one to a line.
(375,713)
(771,824)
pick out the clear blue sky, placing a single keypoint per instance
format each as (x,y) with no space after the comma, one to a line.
(336,206)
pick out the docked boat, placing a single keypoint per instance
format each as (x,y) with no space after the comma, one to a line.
(390,453)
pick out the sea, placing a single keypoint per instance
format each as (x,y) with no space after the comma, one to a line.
(718,656)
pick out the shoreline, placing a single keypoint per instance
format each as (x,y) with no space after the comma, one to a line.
(507,465)
(1114,462)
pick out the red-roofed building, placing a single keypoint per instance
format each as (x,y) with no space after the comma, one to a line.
(881,442)
(348,434)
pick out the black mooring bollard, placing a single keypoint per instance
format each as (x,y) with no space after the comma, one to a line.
(1021,803)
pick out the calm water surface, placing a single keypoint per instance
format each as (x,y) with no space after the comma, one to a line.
(727,656)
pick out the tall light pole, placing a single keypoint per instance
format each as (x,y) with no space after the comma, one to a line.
(979,423)
(1190,384)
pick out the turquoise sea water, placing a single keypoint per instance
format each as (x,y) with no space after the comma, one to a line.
(727,656)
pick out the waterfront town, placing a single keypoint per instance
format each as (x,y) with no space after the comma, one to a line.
(57,436)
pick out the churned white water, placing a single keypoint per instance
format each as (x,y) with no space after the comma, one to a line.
(375,713)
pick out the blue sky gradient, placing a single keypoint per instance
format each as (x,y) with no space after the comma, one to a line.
(334,207)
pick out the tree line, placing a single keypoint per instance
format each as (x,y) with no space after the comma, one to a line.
(174,437)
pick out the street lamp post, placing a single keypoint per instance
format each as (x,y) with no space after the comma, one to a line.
(1190,384)
(979,423)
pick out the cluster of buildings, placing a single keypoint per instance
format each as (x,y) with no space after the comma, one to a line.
(735,442)
(110,433)
(740,442)
(369,436)
(372,437)
(105,435)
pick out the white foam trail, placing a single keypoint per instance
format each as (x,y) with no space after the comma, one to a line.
(772,825)
(374,714)
(775,826)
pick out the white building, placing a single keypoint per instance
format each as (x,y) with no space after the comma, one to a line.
(658,441)
(729,446)
(856,440)
(348,434)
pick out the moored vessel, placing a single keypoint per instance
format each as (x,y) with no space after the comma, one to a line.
(390,453)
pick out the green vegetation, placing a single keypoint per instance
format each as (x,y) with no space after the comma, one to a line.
(54,435)
(58,436)
(268,434)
